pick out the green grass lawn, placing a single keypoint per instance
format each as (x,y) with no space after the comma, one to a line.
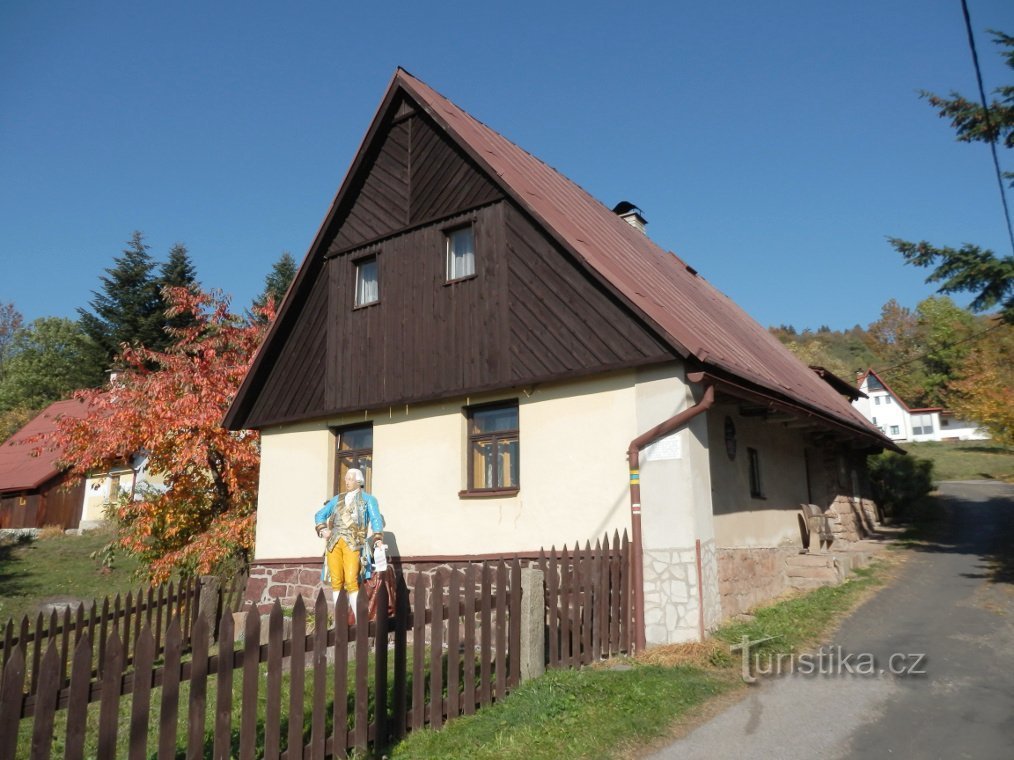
(607,712)
(58,566)
(966,460)
(614,709)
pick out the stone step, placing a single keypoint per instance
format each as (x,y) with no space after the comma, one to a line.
(810,560)
(823,574)
(807,584)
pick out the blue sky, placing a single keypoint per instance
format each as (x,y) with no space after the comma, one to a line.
(772,145)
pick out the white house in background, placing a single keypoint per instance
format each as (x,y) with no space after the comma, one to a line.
(885,409)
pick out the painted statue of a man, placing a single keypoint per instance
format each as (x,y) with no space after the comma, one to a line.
(352,527)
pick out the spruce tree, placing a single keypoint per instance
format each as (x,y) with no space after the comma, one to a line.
(127,309)
(972,269)
(275,284)
(178,271)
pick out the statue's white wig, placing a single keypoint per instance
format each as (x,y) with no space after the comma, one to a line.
(358,475)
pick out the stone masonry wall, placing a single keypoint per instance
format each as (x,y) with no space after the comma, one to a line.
(750,576)
(285,582)
(671,600)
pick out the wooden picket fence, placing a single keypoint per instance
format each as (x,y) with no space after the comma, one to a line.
(448,649)
(588,601)
(154,607)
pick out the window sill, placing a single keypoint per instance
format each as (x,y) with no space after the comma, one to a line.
(359,307)
(456,280)
(489,493)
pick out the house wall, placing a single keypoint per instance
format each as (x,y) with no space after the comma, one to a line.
(885,411)
(676,514)
(740,519)
(755,536)
(572,469)
(574,486)
(952,428)
(102,488)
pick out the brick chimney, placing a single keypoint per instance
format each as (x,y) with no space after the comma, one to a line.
(631,214)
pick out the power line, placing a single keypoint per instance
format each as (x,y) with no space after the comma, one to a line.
(918,357)
(989,124)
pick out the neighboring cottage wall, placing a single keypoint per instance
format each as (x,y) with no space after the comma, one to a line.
(952,428)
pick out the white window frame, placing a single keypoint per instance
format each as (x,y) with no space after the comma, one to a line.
(460,265)
(365,294)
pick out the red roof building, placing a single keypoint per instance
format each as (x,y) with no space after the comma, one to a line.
(525,367)
(34,489)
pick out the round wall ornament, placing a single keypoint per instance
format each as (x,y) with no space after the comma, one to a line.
(730,438)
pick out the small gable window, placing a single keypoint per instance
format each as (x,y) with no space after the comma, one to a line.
(367,281)
(460,253)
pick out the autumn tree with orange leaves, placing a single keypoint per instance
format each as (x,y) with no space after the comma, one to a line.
(984,390)
(170,404)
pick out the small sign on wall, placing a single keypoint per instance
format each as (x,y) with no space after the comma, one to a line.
(670,447)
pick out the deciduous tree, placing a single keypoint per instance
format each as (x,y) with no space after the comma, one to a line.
(169,404)
(45,362)
(984,391)
(10,322)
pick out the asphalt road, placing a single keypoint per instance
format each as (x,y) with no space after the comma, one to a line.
(946,625)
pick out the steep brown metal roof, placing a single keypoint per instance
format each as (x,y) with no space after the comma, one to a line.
(696,318)
(21,469)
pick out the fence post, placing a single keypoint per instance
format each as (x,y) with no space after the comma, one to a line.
(533,641)
(208,602)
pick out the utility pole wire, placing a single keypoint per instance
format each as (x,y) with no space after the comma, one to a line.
(989,124)
(944,347)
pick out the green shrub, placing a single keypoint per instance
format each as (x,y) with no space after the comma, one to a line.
(899,482)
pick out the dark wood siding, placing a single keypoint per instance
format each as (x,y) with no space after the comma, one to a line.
(380,206)
(561,321)
(294,386)
(528,315)
(443,179)
(424,338)
(15,514)
(58,502)
(63,501)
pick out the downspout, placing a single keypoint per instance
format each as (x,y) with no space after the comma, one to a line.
(633,461)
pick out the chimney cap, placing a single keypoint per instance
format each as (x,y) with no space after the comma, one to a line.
(625,207)
(631,214)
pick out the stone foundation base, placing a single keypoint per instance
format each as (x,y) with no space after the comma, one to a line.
(287,579)
(747,577)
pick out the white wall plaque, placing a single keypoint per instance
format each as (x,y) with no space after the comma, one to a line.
(670,447)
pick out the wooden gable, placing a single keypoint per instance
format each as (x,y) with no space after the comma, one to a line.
(530,314)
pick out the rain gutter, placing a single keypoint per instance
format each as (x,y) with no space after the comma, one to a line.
(633,461)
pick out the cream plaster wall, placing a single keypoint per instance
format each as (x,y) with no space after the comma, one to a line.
(99,491)
(672,489)
(573,439)
(740,519)
(295,480)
